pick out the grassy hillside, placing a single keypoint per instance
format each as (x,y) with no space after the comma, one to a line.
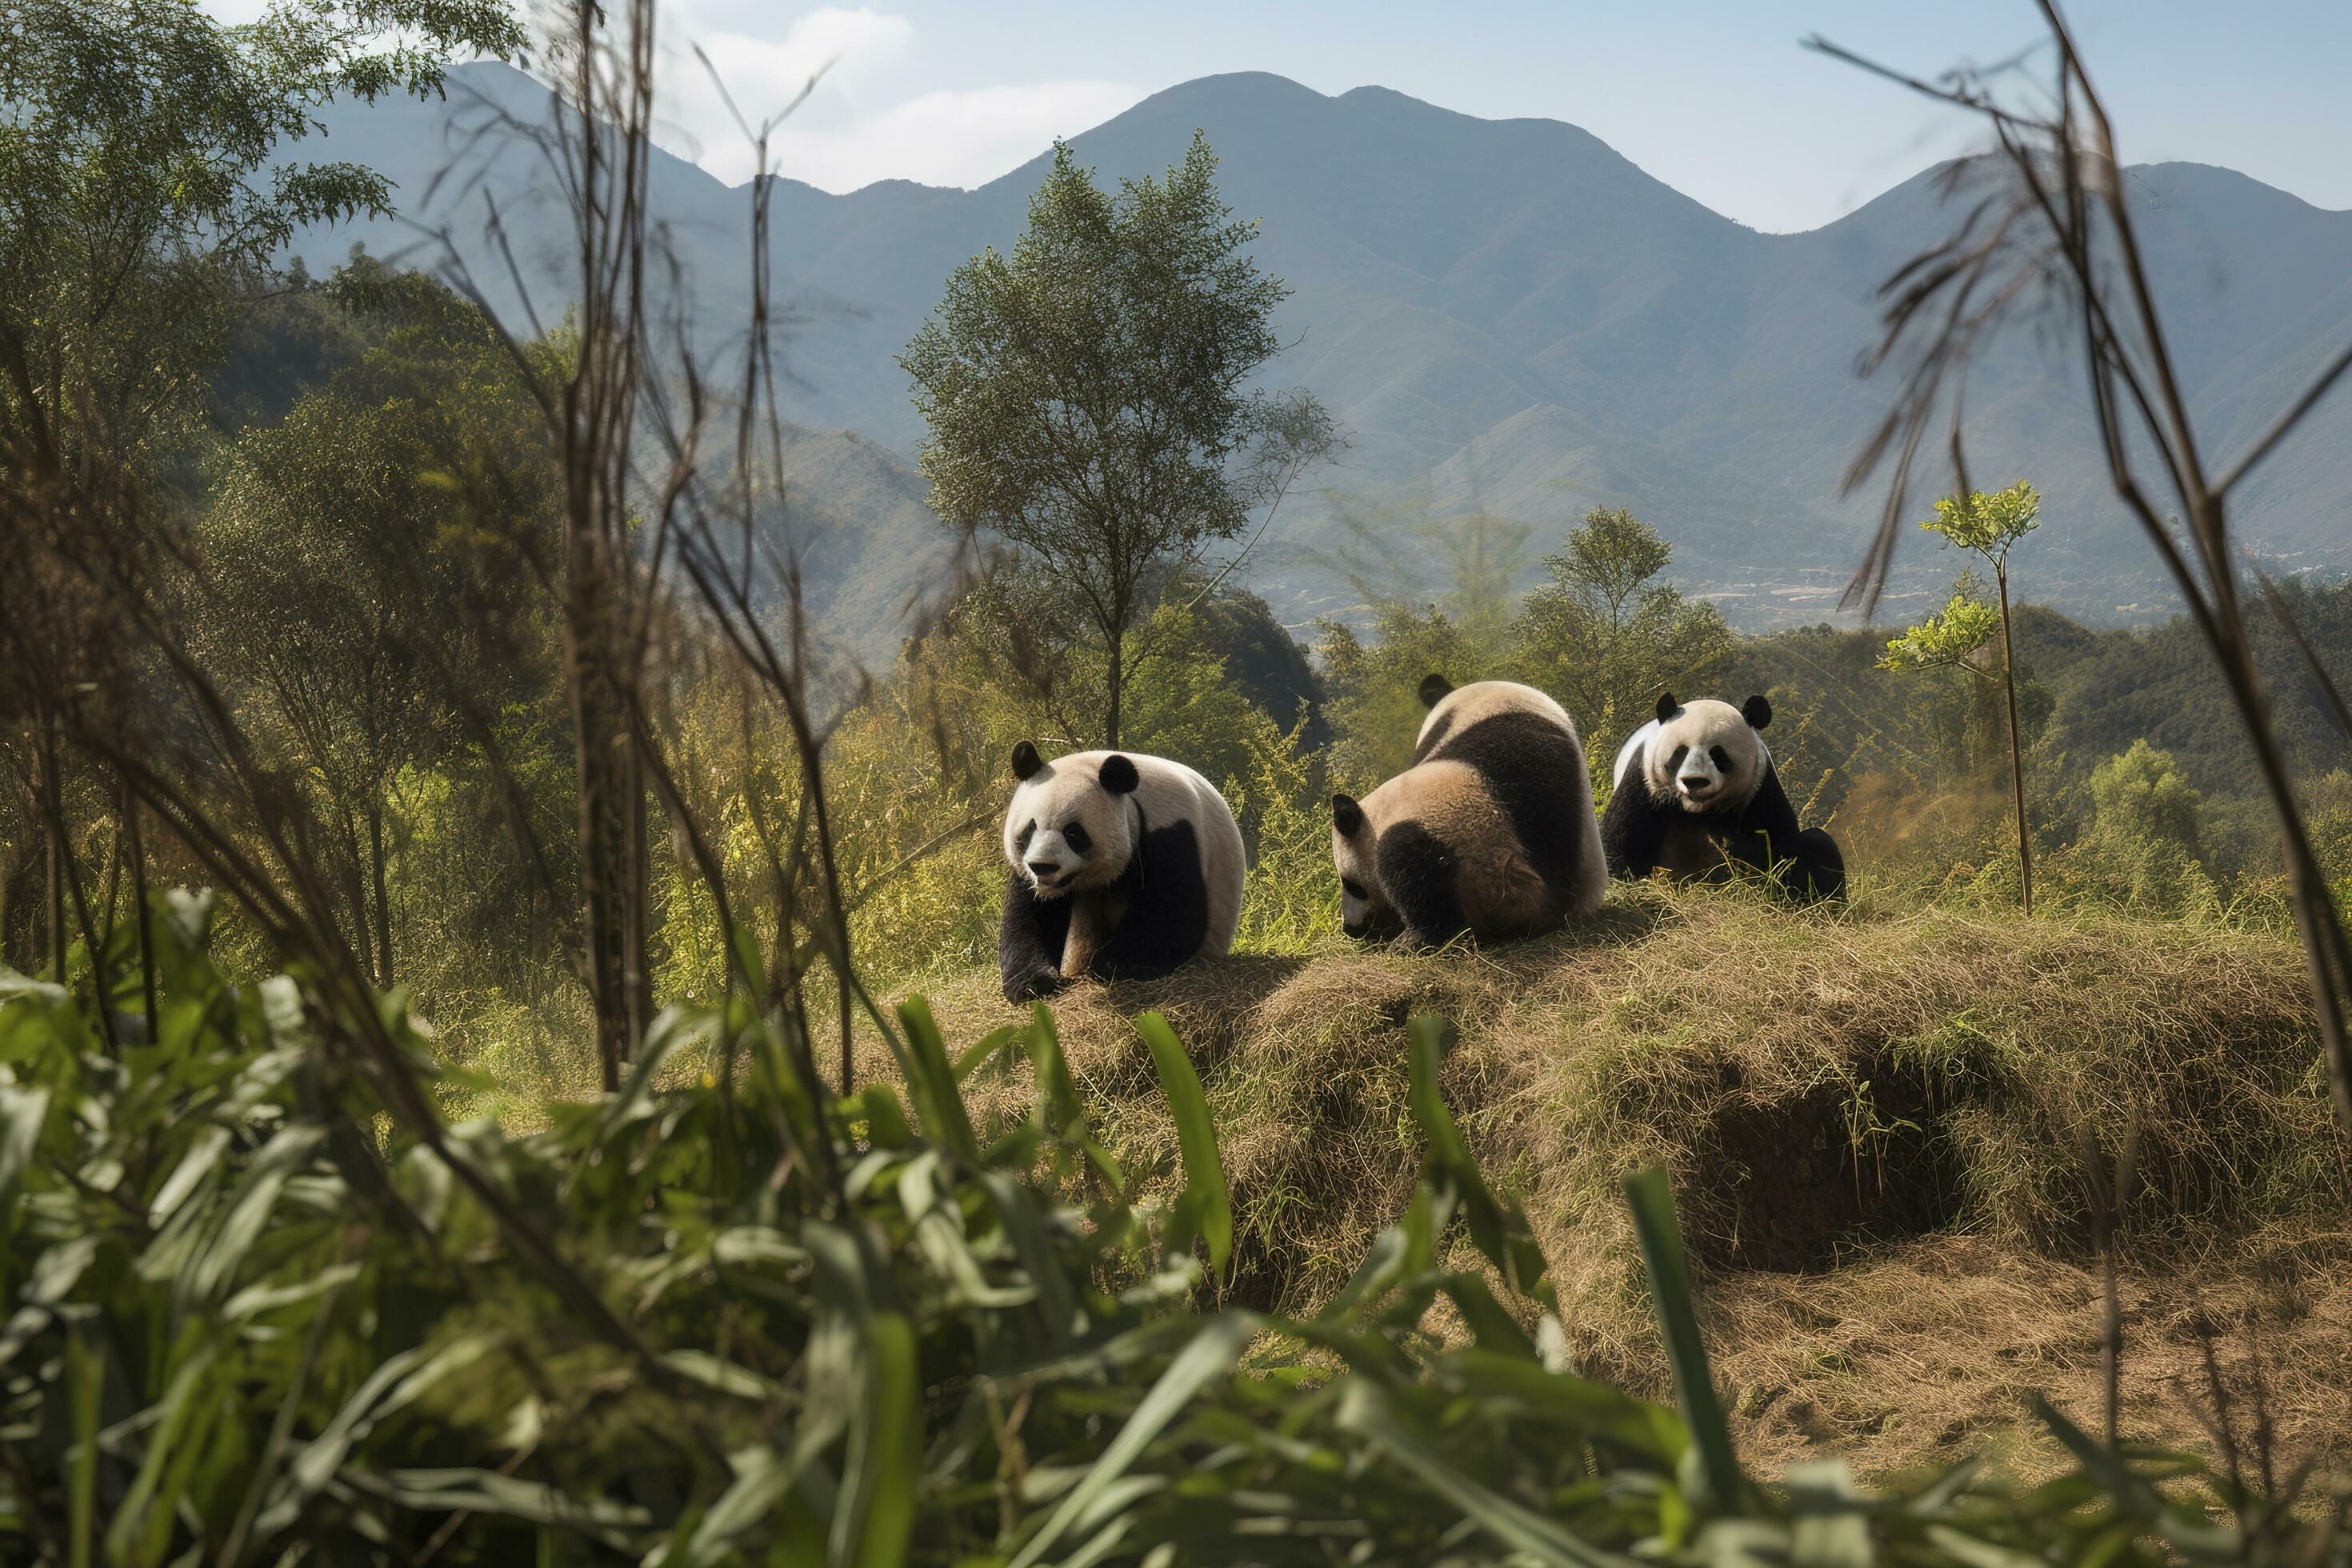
(1876,1123)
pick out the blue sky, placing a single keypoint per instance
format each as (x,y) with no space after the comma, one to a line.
(1712,96)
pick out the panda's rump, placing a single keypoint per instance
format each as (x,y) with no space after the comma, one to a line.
(1451,858)
(1533,769)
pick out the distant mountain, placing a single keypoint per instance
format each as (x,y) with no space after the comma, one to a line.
(1505,313)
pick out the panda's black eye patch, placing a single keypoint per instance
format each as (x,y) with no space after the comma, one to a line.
(1722,758)
(1675,763)
(1352,887)
(1077,839)
(1020,840)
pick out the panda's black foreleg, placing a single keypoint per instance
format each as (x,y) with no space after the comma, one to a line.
(1816,870)
(1167,918)
(1029,941)
(1811,866)
(1633,829)
(1420,878)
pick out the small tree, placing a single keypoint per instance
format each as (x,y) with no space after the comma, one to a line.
(1085,396)
(1605,636)
(2145,841)
(1987,524)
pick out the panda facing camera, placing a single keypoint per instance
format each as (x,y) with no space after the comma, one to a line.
(1698,795)
(1122,867)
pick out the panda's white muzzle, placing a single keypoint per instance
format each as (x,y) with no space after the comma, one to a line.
(1051,864)
(1699,781)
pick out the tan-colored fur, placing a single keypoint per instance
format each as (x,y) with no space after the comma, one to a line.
(1498,888)
(1095,915)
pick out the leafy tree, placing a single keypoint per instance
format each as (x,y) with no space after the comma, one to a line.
(144,195)
(142,186)
(2145,841)
(1605,636)
(1086,401)
(352,597)
(1988,525)
(1373,683)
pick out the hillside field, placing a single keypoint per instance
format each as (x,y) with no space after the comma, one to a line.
(1878,1122)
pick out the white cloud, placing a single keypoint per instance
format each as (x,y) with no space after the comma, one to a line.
(950,138)
(860,124)
(871,117)
(854,49)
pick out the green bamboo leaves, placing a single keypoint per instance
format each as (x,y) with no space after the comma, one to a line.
(221,1347)
(1203,1209)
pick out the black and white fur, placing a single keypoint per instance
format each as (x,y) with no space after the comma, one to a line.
(1123,866)
(1698,795)
(1491,830)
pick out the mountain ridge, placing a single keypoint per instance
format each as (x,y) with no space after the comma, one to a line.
(1511,314)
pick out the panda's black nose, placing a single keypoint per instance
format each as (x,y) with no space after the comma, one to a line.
(1044,868)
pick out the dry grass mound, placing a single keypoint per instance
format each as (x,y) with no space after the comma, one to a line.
(1877,1122)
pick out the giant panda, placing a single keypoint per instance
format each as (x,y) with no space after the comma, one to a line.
(1491,830)
(1123,866)
(1697,793)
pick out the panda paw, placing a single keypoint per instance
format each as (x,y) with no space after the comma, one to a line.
(1035,985)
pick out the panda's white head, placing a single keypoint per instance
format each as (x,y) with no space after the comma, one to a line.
(1072,823)
(1365,912)
(1706,756)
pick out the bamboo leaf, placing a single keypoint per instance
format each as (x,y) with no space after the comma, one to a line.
(1206,1208)
(893,1457)
(1720,1484)
(1499,1229)
(23,1113)
(938,1098)
(85,1382)
(1210,1354)
(1367,1412)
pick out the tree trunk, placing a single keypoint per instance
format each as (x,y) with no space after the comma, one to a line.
(2016,744)
(56,909)
(355,891)
(139,910)
(608,848)
(383,898)
(1117,689)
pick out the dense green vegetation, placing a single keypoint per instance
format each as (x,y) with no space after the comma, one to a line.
(461,1089)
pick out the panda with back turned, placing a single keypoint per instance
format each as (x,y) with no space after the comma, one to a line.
(1697,793)
(1123,866)
(1490,831)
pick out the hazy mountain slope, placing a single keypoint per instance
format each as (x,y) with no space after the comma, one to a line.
(1506,313)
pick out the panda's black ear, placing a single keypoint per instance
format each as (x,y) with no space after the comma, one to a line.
(1433,689)
(1667,707)
(1757,711)
(1118,774)
(1347,815)
(1025,760)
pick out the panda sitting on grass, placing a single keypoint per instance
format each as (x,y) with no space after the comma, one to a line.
(1697,794)
(1123,867)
